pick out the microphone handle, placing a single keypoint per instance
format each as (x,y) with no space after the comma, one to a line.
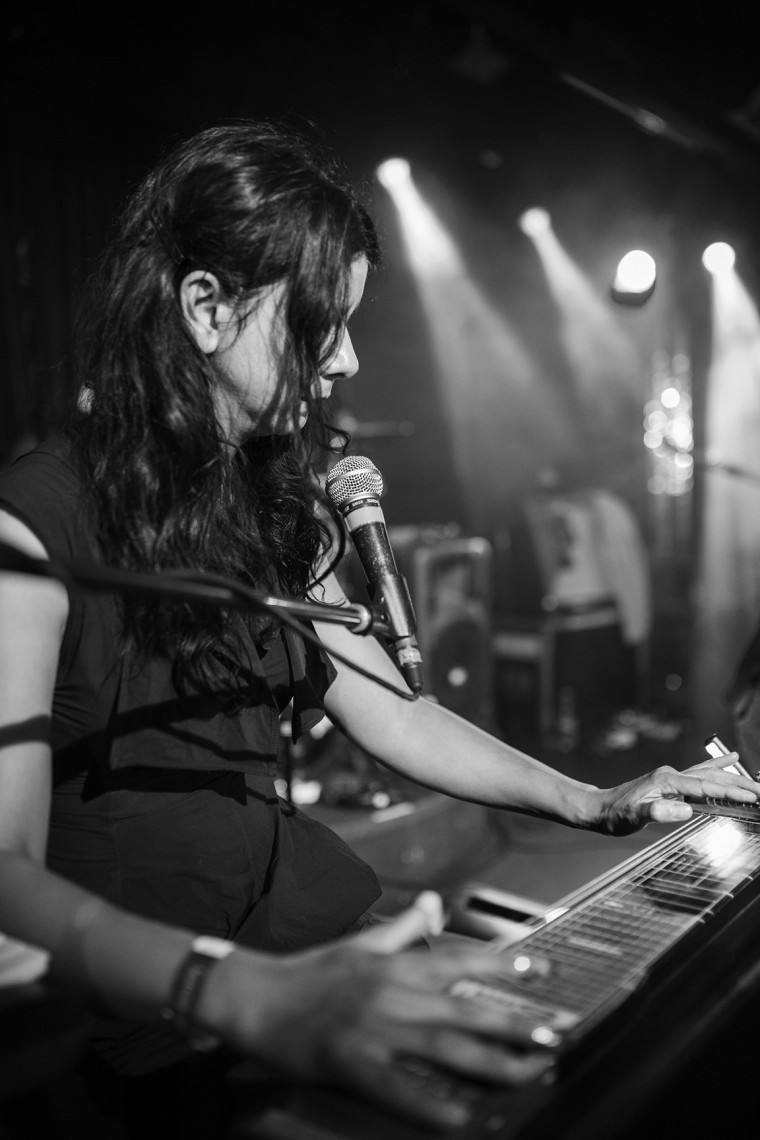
(390,594)
(387,589)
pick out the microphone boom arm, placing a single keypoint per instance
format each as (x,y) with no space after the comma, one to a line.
(211,589)
(182,585)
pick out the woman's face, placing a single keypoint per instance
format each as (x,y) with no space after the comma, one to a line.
(249,396)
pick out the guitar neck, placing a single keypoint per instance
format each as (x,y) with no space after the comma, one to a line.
(601,942)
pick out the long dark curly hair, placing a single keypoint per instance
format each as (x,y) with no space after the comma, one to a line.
(256,205)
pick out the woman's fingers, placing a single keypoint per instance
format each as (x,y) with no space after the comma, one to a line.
(721,769)
(705,782)
(368,1007)
(471,992)
(659,795)
(422,919)
(411,1088)
(437,1076)
(409,1016)
(481,1059)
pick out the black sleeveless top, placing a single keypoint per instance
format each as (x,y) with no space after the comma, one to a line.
(106,711)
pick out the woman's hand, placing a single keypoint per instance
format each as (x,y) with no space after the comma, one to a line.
(659,796)
(350,1013)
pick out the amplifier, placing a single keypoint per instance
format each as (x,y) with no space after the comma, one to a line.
(450,582)
(451,585)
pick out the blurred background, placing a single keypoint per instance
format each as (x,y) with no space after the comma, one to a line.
(570,452)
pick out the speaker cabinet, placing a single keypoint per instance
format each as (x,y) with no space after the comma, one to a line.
(450,580)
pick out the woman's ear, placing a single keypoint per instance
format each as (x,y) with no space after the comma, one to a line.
(204,311)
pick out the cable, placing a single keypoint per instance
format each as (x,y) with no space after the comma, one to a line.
(256,601)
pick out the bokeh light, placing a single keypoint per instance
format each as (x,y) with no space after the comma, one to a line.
(636,272)
(393,172)
(719,257)
(534,221)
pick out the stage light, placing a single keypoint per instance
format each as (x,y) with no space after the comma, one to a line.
(636,272)
(393,172)
(635,278)
(534,221)
(718,257)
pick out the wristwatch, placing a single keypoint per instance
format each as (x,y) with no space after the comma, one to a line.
(205,952)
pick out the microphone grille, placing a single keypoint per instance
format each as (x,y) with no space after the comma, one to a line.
(353,477)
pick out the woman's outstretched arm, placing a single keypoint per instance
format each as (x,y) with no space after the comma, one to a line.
(440,750)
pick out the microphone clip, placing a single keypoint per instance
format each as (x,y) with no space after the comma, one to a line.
(390,595)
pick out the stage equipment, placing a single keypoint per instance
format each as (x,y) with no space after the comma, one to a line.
(534,221)
(635,279)
(393,172)
(648,997)
(210,589)
(719,257)
(450,583)
(355,486)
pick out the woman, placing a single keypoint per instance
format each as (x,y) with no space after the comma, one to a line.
(137,807)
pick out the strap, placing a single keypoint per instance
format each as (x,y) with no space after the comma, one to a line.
(187,988)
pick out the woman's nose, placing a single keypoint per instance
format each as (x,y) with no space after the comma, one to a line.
(344,362)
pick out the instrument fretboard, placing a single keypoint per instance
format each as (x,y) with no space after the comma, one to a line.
(599,944)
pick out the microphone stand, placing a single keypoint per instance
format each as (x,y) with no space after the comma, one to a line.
(215,590)
(184,585)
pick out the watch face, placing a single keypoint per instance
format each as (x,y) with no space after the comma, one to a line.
(212,947)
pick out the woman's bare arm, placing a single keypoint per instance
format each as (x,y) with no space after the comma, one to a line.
(440,750)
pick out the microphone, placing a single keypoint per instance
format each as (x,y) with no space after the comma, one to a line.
(354,486)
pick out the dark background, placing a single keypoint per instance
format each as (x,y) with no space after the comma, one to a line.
(633,125)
